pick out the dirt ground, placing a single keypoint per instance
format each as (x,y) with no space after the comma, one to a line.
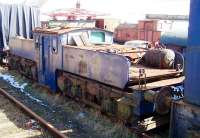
(15,124)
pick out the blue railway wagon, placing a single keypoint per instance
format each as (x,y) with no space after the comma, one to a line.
(50,43)
(103,72)
(21,47)
(80,64)
(52,57)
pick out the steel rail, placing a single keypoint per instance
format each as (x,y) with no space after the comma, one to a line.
(43,122)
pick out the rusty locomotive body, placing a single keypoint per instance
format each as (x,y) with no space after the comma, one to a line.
(129,83)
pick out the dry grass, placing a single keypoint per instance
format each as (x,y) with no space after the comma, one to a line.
(98,122)
(13,122)
(88,117)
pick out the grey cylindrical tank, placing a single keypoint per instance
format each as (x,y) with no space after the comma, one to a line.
(160,58)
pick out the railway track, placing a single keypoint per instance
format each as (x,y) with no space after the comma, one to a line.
(51,129)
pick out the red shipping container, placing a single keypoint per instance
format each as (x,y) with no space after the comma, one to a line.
(135,34)
(156,36)
(151,25)
(141,25)
(141,35)
(148,25)
(100,23)
(123,35)
(149,36)
(129,34)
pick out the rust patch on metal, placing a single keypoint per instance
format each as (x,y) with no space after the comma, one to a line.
(93,88)
(82,67)
(81,56)
(71,56)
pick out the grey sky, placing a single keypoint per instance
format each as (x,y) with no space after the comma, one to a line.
(128,10)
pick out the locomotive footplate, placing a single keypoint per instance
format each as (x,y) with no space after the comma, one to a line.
(139,108)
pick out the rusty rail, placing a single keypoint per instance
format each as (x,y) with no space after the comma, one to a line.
(44,123)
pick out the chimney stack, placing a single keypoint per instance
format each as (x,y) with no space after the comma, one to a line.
(78,4)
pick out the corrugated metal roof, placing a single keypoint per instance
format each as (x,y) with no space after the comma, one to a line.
(177,35)
(123,26)
(167,17)
(59,30)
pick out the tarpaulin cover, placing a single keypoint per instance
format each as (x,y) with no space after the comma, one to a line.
(17,20)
